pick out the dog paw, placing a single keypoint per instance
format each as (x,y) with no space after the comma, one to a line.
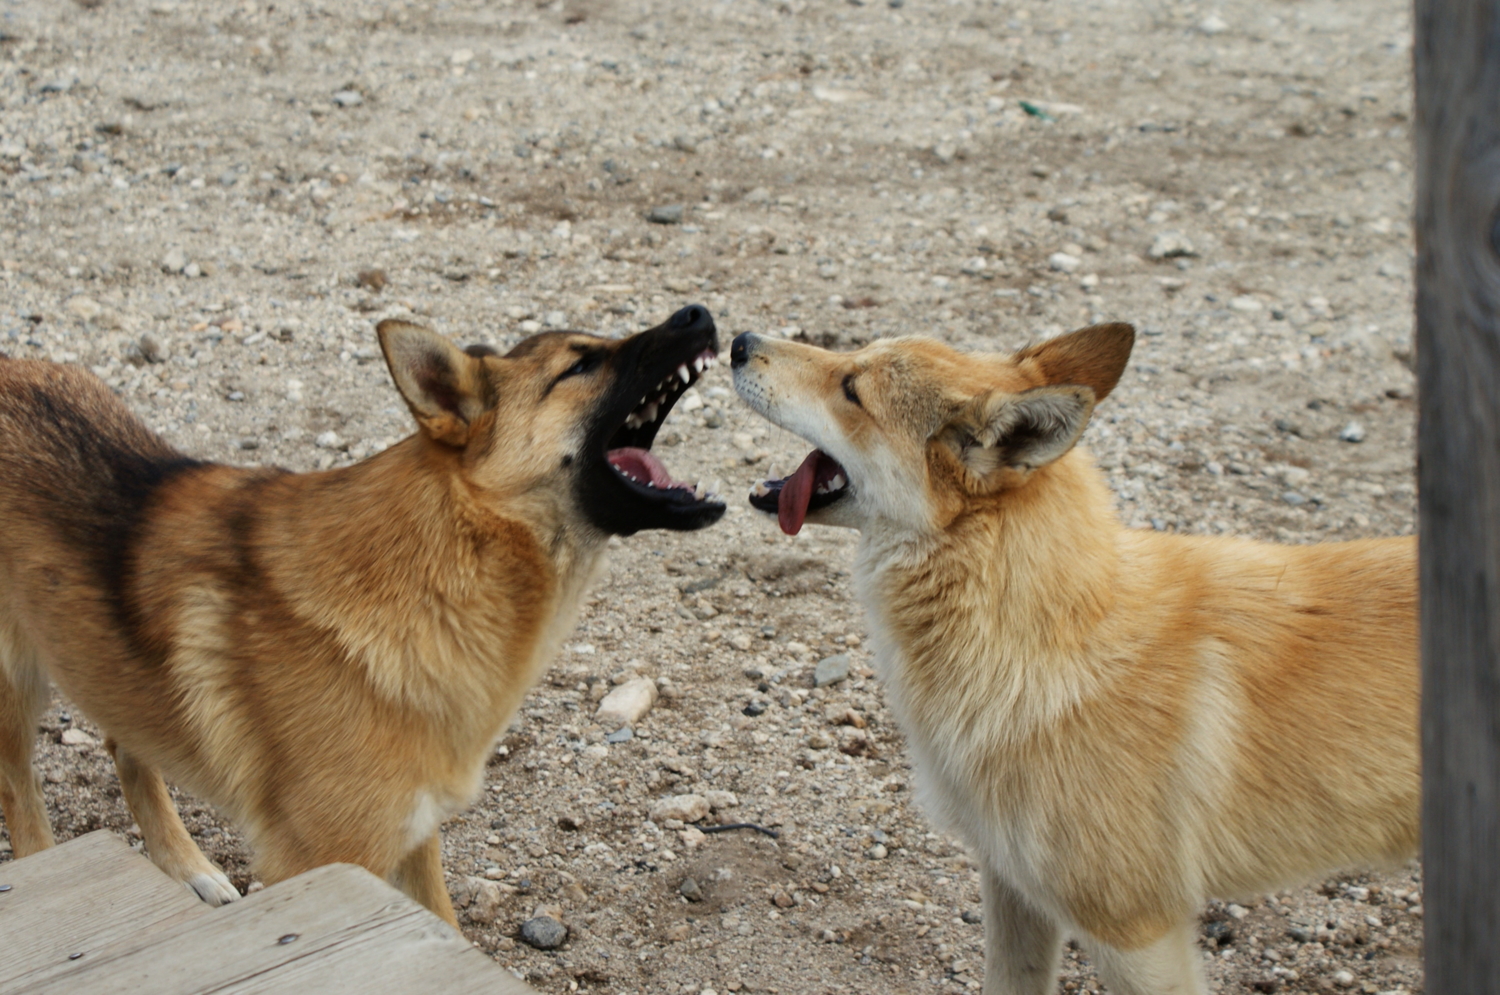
(213,887)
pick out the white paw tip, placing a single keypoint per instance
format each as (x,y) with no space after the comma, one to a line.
(214,888)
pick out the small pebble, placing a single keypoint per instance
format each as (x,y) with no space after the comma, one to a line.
(831,670)
(683,808)
(666,214)
(1352,432)
(691,890)
(544,932)
(1170,245)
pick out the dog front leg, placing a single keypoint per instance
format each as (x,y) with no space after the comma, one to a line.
(420,875)
(172,849)
(1021,945)
(1170,966)
(23,694)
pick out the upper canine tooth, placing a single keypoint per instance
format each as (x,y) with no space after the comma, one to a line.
(698,365)
(837,482)
(683,374)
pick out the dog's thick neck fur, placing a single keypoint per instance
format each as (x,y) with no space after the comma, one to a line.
(481,599)
(944,640)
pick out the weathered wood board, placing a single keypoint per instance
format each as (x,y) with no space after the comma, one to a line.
(332,930)
(78,898)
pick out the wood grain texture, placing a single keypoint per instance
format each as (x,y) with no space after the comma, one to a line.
(79,897)
(351,933)
(1458,367)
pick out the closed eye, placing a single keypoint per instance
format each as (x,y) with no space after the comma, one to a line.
(586,364)
(849,390)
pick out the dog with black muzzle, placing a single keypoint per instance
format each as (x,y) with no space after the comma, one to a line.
(216,621)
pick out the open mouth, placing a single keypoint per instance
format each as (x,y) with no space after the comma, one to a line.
(622,485)
(629,449)
(817,483)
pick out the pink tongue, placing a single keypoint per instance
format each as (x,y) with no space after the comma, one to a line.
(640,464)
(796,492)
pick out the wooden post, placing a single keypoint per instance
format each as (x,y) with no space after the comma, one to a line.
(1458,369)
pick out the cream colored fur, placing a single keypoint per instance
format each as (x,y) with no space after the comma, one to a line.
(1119,723)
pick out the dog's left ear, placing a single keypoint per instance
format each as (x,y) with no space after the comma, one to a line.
(443,385)
(999,431)
(1094,357)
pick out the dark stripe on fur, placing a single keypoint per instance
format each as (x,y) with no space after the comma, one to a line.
(96,478)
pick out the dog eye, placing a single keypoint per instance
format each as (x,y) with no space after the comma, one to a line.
(849,390)
(584,365)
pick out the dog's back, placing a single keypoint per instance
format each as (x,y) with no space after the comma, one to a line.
(77,469)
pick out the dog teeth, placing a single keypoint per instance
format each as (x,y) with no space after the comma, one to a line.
(837,483)
(683,374)
(760,489)
(649,413)
(699,363)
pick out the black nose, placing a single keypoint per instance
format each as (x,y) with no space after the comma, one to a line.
(691,319)
(739,350)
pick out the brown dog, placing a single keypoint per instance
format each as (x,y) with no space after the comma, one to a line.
(214,620)
(1119,723)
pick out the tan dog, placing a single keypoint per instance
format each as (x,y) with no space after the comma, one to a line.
(216,621)
(1118,722)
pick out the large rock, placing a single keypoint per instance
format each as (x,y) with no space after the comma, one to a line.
(683,808)
(626,704)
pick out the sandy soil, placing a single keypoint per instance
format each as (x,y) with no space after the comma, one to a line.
(211,203)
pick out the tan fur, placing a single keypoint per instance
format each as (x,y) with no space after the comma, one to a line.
(326,656)
(1118,722)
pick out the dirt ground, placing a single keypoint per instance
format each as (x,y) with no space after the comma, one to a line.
(211,203)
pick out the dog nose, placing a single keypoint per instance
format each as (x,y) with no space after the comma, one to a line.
(692,318)
(739,349)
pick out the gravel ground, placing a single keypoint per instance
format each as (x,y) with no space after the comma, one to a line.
(210,204)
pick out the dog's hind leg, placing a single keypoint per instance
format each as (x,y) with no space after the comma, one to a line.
(1170,966)
(167,839)
(23,695)
(1021,945)
(420,875)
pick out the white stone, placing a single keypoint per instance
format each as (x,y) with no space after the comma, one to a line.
(626,704)
(721,799)
(77,737)
(1213,24)
(1064,262)
(85,307)
(1170,245)
(1353,432)
(174,261)
(1244,304)
(683,808)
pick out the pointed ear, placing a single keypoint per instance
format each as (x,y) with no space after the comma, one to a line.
(998,431)
(444,387)
(1094,357)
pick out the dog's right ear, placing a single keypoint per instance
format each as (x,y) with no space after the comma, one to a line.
(1001,437)
(444,386)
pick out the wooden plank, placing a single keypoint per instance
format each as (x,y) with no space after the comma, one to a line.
(78,897)
(350,933)
(1457,60)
